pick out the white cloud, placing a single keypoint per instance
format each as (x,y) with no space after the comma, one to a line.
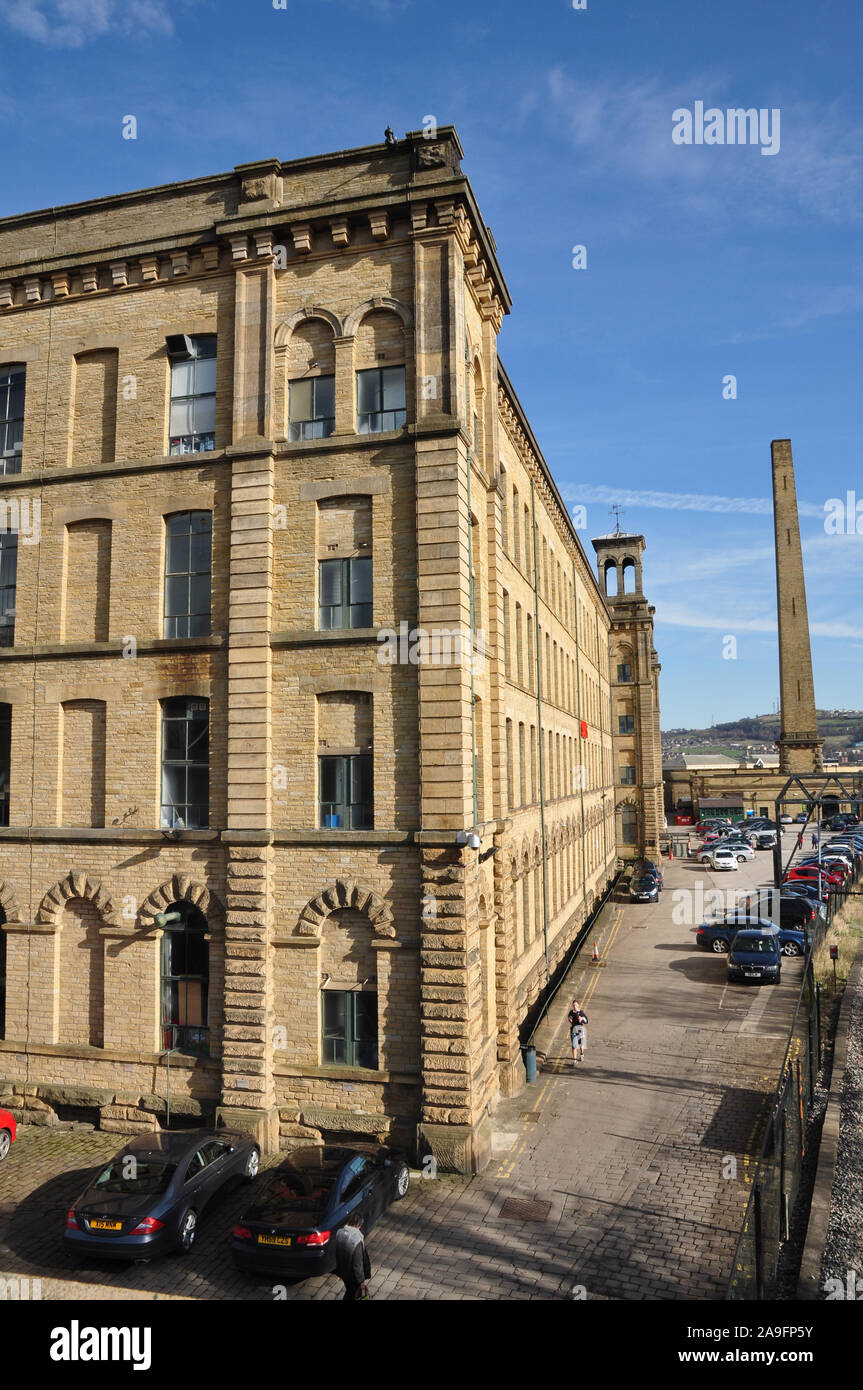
(623,123)
(680,501)
(678,615)
(74,23)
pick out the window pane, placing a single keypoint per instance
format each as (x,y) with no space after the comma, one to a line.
(205,345)
(199,739)
(173,739)
(368,395)
(177,550)
(204,415)
(361,580)
(393,388)
(301,400)
(199,594)
(331,581)
(330,779)
(325,397)
(181,417)
(200,548)
(176,596)
(205,376)
(173,785)
(182,379)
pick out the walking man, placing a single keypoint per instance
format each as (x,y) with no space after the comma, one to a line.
(352,1259)
(578,1021)
(814,841)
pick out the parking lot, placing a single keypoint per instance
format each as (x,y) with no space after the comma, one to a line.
(623,1178)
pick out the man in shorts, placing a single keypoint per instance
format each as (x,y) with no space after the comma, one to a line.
(577,1031)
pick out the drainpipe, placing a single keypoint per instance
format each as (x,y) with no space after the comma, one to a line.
(539,726)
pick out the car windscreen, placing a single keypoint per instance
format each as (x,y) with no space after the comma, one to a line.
(644,884)
(129,1174)
(294,1193)
(755,945)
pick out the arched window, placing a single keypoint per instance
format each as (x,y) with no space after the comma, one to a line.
(381,388)
(185,980)
(610,576)
(629,576)
(311,389)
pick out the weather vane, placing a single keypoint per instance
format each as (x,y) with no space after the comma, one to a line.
(617,512)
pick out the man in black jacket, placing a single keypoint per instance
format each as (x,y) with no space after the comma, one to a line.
(577,1024)
(352,1258)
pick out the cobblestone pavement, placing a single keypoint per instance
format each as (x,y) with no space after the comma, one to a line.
(632,1167)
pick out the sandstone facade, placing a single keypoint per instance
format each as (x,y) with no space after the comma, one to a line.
(368,261)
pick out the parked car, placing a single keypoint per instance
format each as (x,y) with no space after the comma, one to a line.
(838,823)
(764,839)
(796,912)
(290,1228)
(718,936)
(809,874)
(720,858)
(785,820)
(802,817)
(8,1132)
(149,1199)
(644,890)
(832,864)
(646,868)
(755,956)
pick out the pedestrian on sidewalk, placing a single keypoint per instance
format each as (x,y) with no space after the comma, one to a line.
(800,840)
(352,1259)
(815,841)
(578,1021)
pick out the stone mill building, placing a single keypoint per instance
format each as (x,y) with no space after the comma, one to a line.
(307,764)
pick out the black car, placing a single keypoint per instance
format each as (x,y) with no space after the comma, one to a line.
(290,1228)
(755,957)
(147,1201)
(646,868)
(644,890)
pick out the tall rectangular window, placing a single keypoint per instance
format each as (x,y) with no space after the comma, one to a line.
(626,723)
(8,581)
(510,799)
(188,564)
(507,659)
(193,395)
(5,767)
(345,593)
(627,776)
(381,403)
(346,791)
(11,417)
(186,981)
(516,528)
(312,408)
(349,1020)
(624,671)
(185,763)
(519,654)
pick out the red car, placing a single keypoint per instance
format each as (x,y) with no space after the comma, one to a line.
(7,1133)
(812,876)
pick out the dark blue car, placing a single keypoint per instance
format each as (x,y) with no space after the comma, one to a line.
(290,1228)
(148,1200)
(755,957)
(718,936)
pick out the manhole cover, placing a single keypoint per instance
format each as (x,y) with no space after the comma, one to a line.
(532,1115)
(524,1209)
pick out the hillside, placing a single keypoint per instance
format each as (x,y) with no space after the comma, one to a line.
(758,733)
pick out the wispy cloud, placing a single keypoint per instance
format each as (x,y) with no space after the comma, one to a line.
(74,23)
(680,501)
(623,123)
(679,615)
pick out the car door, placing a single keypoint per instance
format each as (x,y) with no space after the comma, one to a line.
(216,1153)
(193,1192)
(354,1188)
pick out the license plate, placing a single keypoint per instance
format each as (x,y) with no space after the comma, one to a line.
(753,974)
(106,1225)
(274,1240)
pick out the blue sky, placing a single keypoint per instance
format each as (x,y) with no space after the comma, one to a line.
(702,261)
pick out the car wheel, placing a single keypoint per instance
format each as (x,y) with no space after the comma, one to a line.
(741,858)
(253,1165)
(187,1230)
(5,1143)
(402,1181)
(720,945)
(790,948)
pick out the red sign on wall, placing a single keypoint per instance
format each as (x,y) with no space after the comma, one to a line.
(584,728)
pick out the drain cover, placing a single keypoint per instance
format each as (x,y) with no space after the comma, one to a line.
(524,1209)
(532,1115)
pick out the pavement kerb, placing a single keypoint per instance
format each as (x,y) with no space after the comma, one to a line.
(809,1281)
(51,1288)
